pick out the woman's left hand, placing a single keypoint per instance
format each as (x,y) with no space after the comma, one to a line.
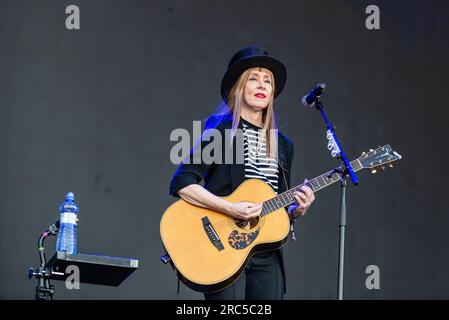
(304,199)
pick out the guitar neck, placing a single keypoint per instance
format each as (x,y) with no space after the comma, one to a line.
(286,198)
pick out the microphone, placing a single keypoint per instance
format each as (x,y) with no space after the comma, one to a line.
(309,99)
(53,229)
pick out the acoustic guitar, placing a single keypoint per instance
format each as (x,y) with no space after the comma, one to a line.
(209,249)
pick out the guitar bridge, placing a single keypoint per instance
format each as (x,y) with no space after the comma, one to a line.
(212,234)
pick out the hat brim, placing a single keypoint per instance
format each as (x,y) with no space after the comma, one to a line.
(234,72)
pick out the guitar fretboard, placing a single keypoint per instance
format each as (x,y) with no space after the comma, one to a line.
(286,198)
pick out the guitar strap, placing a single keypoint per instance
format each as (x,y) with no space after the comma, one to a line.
(177,290)
(177,287)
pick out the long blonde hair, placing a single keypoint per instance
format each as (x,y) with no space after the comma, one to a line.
(234,103)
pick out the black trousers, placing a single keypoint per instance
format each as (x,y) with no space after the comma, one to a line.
(262,279)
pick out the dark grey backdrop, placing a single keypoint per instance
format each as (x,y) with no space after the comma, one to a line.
(91,111)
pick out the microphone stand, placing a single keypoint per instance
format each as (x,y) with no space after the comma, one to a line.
(44,290)
(344,170)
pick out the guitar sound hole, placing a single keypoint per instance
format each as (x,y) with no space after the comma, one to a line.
(246,224)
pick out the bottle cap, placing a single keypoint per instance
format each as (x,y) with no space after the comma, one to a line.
(70,196)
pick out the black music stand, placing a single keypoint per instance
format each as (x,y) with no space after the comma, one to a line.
(93,269)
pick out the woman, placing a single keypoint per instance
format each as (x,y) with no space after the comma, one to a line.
(250,85)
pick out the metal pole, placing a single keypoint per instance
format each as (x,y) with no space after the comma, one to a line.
(341,249)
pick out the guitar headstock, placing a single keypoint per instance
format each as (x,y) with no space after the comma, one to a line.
(379,158)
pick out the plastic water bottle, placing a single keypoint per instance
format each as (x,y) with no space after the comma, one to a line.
(68,210)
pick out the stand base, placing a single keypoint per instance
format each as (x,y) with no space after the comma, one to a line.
(44,293)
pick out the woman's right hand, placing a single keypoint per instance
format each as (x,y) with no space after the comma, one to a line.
(244,210)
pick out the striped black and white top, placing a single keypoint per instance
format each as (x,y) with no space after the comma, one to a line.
(257,164)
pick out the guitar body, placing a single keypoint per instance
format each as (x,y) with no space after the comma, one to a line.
(209,249)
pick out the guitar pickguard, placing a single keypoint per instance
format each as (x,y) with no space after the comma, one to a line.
(241,240)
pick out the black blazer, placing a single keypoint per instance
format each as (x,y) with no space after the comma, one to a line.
(222,179)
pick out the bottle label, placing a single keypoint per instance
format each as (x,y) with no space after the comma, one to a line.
(68,217)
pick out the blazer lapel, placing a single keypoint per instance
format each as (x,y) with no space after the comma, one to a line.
(237,170)
(282,167)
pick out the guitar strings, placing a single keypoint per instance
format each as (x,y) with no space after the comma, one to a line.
(329,175)
(220,224)
(242,222)
(308,183)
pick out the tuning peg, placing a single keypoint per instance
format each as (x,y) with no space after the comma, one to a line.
(371,150)
(363,153)
(383,168)
(391,165)
(373,171)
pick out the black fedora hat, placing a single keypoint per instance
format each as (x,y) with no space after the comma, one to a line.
(251,57)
